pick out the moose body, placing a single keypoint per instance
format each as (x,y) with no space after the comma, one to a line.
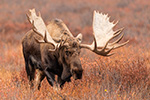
(53,50)
(41,62)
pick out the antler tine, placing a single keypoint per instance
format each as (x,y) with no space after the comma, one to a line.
(115,22)
(116,44)
(95,44)
(119,39)
(28,17)
(117,32)
(120,45)
(39,14)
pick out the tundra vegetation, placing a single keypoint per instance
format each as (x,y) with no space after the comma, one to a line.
(124,75)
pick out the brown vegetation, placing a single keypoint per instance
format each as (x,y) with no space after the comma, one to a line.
(125,75)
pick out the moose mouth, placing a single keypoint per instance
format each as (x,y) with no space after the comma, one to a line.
(77,74)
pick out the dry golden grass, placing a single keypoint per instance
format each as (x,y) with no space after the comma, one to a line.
(125,75)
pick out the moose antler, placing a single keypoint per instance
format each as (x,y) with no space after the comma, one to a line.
(39,27)
(103,33)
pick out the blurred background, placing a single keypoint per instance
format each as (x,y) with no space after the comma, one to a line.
(124,76)
(131,14)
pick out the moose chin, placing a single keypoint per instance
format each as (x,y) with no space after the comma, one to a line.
(51,49)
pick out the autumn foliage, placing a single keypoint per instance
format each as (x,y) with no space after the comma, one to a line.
(123,76)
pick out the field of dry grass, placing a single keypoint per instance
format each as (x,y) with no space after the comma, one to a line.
(123,76)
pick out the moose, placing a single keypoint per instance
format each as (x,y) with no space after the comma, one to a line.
(51,49)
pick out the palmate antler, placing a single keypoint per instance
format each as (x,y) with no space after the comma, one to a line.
(39,27)
(103,33)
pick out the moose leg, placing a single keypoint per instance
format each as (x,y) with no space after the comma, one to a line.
(27,66)
(30,71)
(50,77)
(31,68)
(38,78)
(60,82)
(27,70)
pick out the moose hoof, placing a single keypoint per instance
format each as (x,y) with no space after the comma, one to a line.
(56,87)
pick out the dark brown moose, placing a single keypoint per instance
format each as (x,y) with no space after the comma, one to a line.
(53,50)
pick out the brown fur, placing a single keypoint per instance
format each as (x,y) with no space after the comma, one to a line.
(63,62)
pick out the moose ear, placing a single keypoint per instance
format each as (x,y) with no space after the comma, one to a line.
(79,37)
(39,41)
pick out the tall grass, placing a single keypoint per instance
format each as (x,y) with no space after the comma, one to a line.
(124,75)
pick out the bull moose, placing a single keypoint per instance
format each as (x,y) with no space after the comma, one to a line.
(51,49)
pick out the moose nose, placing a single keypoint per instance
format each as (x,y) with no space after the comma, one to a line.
(77,77)
(77,74)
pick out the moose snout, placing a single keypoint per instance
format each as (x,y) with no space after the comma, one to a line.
(77,73)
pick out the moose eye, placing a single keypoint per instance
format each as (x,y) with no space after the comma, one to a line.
(68,53)
(65,33)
